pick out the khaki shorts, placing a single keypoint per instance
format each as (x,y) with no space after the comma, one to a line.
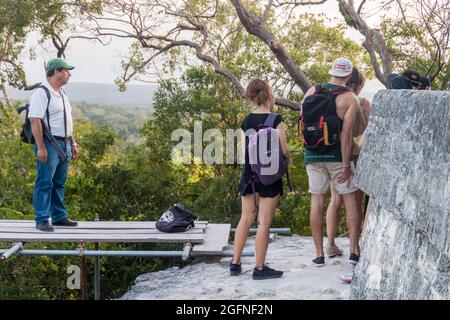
(321,173)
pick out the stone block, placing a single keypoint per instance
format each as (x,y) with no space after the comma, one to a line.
(405,166)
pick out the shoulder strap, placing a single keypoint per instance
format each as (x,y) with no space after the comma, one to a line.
(337,91)
(47,92)
(65,114)
(318,88)
(270,121)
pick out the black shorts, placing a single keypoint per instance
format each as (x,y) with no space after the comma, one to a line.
(270,191)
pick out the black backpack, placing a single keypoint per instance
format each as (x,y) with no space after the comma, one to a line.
(176,219)
(319,125)
(26,135)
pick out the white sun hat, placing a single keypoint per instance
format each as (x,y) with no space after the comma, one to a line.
(342,67)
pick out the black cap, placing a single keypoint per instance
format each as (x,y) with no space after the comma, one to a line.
(413,76)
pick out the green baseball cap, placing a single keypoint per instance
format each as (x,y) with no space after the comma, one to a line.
(58,63)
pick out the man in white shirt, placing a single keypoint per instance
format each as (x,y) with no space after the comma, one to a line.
(56,113)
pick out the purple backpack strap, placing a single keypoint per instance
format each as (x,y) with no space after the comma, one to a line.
(270,121)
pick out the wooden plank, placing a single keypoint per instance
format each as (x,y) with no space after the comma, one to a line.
(52,237)
(76,230)
(105,221)
(216,239)
(97,224)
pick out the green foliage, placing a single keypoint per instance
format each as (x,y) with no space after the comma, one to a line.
(16,19)
(314,46)
(125,122)
(16,167)
(34,277)
(413,48)
(20,17)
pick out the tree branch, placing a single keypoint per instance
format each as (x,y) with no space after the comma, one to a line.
(59,45)
(267,10)
(254,25)
(31,87)
(299,3)
(161,44)
(4,89)
(296,106)
(374,42)
(361,6)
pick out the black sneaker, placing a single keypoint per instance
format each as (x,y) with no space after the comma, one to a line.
(65,223)
(354,258)
(44,226)
(235,269)
(319,262)
(266,273)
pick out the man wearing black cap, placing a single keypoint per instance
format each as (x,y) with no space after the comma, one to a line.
(409,79)
(414,78)
(50,105)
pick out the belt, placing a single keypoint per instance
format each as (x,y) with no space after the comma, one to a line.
(62,138)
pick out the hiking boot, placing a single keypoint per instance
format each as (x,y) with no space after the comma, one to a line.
(65,223)
(354,258)
(266,273)
(319,261)
(235,269)
(44,226)
(334,251)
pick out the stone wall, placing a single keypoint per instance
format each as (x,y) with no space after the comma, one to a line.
(405,166)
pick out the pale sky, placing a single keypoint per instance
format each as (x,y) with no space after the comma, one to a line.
(96,63)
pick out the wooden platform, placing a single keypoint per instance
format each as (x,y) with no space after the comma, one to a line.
(216,239)
(102,231)
(207,239)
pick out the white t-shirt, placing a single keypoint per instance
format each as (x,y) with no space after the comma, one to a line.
(38,107)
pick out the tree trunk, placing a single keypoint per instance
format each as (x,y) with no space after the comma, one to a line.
(4,88)
(255,26)
(374,42)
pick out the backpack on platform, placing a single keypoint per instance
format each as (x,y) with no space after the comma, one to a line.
(176,219)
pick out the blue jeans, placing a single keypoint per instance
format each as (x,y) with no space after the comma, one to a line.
(48,197)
